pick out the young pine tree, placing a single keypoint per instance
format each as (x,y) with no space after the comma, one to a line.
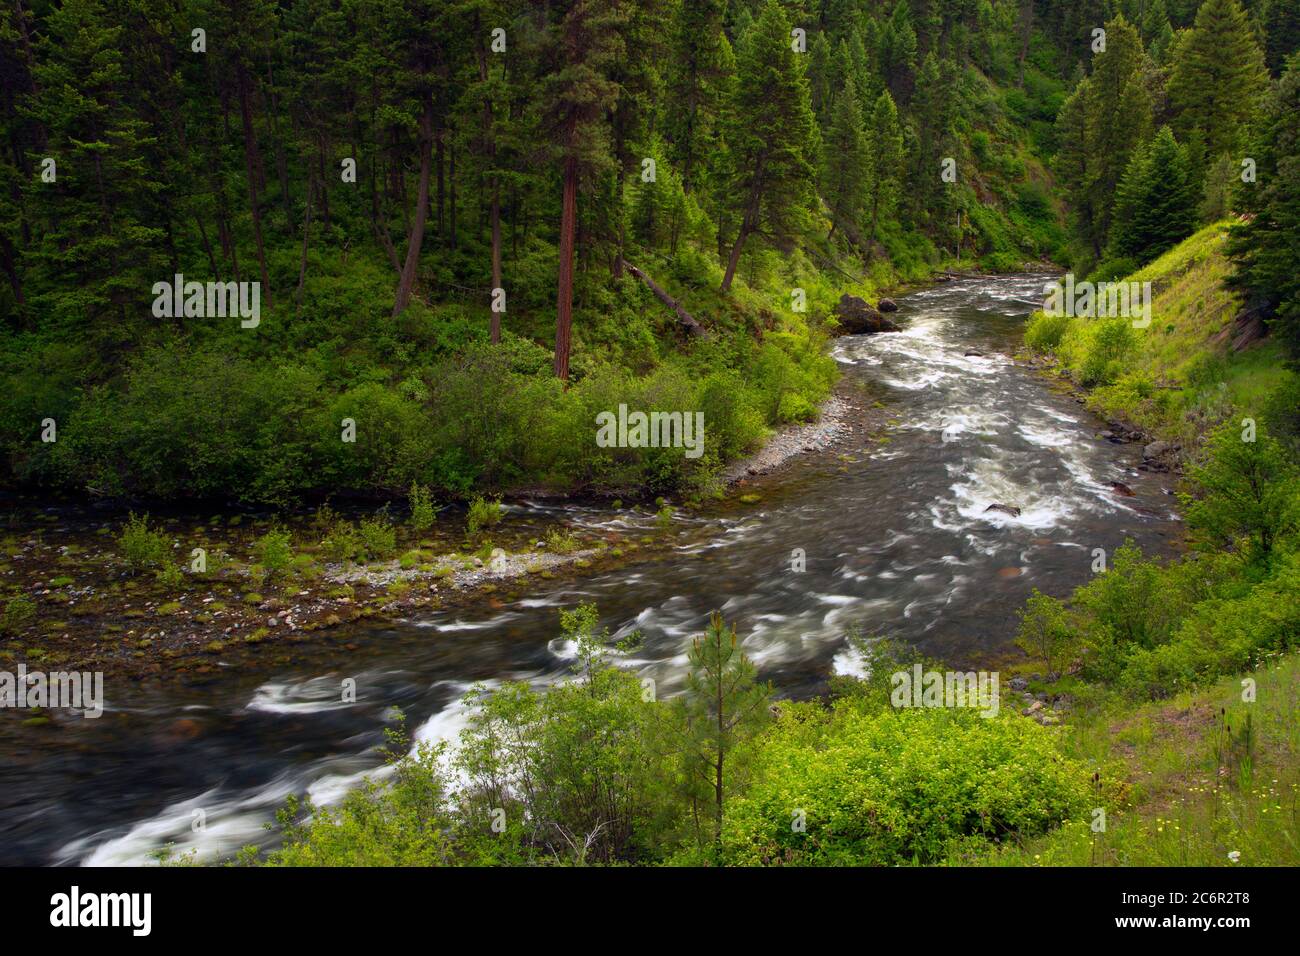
(1155,204)
(723,707)
(886,155)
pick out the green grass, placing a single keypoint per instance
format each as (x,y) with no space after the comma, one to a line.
(1185,781)
(1179,375)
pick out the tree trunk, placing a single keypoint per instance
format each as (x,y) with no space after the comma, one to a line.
(252,163)
(416,239)
(747,224)
(568,228)
(686,319)
(495,330)
(302,259)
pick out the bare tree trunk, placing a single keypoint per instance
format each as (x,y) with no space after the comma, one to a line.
(252,163)
(302,259)
(416,239)
(686,319)
(495,330)
(747,224)
(568,228)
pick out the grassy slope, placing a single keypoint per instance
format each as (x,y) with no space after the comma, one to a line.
(1180,374)
(1186,781)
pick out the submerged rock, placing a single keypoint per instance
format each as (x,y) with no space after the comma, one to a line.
(1005,509)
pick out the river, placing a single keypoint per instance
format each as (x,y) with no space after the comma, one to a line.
(895,538)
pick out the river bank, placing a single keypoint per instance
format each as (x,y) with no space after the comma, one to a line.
(91,613)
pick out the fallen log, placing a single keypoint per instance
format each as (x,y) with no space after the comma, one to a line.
(684,317)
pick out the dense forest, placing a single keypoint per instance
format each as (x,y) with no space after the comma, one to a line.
(558,205)
(475,225)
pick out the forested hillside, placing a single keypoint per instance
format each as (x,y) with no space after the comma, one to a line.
(475,223)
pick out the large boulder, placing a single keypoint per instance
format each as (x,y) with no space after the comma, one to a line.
(855,316)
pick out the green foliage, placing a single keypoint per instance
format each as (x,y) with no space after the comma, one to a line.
(1046,633)
(723,709)
(1248,494)
(376,537)
(19,611)
(860,786)
(274,552)
(1217,77)
(575,768)
(1264,246)
(483,513)
(1043,331)
(1155,202)
(140,546)
(422,510)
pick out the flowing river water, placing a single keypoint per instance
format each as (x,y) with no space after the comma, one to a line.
(895,537)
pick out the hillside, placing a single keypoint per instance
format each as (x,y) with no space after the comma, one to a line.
(1202,359)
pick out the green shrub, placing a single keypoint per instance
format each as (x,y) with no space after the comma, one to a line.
(141,546)
(1044,331)
(377,537)
(170,576)
(274,552)
(421,502)
(898,786)
(19,611)
(561,542)
(482,514)
(1047,634)
(341,541)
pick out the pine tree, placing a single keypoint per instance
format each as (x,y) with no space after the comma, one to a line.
(1155,203)
(886,157)
(896,51)
(724,705)
(98,254)
(582,45)
(1218,77)
(845,161)
(1281,33)
(1099,127)
(770,135)
(694,86)
(1264,246)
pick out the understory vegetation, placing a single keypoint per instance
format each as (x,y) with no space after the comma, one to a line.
(476,224)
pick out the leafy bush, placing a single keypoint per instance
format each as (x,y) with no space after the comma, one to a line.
(19,611)
(1248,494)
(141,546)
(482,514)
(1044,331)
(889,787)
(1047,633)
(421,502)
(274,552)
(376,537)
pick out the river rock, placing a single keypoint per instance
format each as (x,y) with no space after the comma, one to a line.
(887,305)
(855,316)
(1121,489)
(1157,449)
(1005,509)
